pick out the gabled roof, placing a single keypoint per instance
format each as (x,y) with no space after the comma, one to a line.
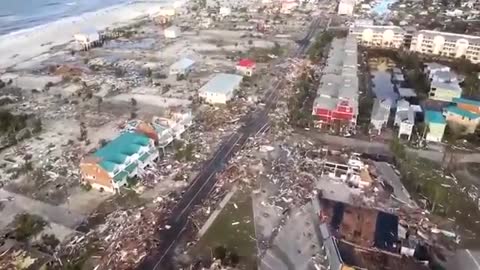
(116,151)
(466,101)
(462,112)
(245,62)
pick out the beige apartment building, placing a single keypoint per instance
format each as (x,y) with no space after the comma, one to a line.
(385,36)
(447,44)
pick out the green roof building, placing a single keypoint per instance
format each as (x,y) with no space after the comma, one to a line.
(436,125)
(119,159)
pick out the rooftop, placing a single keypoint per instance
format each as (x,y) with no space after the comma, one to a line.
(222,83)
(406,92)
(325,103)
(116,151)
(394,28)
(451,86)
(183,63)
(467,101)
(381,109)
(431,34)
(436,66)
(245,62)
(462,112)
(329,85)
(435,117)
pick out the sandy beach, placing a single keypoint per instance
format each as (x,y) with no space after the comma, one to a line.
(27,44)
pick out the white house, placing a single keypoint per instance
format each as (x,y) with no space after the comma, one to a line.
(225,11)
(404,118)
(220,88)
(182,66)
(171,32)
(87,38)
(380,114)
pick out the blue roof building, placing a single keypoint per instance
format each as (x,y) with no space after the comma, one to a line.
(436,125)
(110,166)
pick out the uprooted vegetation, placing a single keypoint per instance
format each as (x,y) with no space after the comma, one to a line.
(16,127)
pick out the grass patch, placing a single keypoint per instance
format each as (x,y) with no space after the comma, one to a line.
(235,238)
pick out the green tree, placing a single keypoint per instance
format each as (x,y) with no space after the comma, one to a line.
(452,136)
(27,225)
(471,85)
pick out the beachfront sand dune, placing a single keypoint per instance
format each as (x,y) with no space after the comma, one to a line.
(22,46)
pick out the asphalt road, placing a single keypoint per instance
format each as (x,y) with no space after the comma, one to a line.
(201,186)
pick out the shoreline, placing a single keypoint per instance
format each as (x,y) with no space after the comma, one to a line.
(22,45)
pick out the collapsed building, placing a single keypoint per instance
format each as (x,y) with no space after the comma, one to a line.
(337,95)
(365,238)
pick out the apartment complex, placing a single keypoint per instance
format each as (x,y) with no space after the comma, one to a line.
(337,95)
(447,44)
(385,36)
(423,41)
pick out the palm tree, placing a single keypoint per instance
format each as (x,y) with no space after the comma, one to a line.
(453,135)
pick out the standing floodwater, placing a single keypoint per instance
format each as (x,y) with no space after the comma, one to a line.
(382,78)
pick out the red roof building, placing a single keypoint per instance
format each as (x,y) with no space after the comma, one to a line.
(246,66)
(329,110)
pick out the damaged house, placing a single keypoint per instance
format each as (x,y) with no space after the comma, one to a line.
(380,114)
(88,38)
(163,130)
(364,238)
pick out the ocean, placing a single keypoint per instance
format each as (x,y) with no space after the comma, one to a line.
(16,15)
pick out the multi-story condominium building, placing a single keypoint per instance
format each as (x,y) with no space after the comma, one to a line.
(385,36)
(447,44)
(337,94)
(444,84)
(346,7)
